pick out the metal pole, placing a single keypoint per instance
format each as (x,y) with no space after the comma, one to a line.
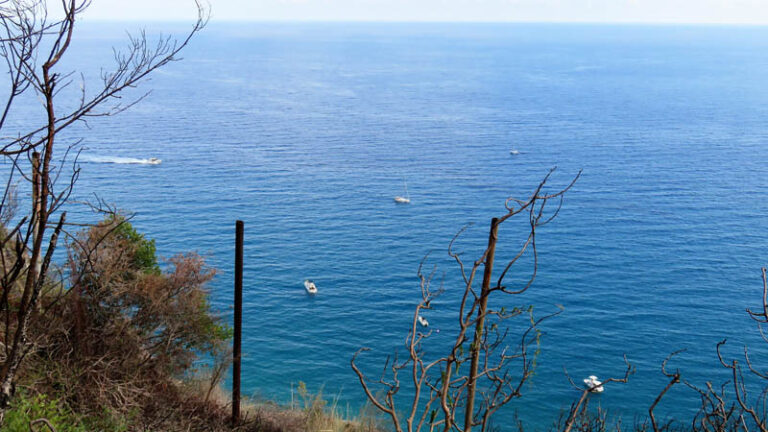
(237,345)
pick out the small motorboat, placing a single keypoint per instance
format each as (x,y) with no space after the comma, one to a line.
(514,152)
(154,161)
(310,286)
(592,384)
(423,321)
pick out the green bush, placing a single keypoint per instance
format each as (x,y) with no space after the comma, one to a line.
(144,249)
(118,335)
(27,408)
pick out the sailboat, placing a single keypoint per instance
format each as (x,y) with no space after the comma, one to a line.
(407,198)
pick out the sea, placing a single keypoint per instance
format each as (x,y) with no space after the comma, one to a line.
(307,131)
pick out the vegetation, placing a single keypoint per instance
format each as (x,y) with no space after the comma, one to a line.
(118,349)
(145,257)
(117,341)
(31,408)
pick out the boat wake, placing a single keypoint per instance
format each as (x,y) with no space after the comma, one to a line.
(120,160)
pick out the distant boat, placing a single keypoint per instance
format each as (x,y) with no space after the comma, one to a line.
(423,321)
(514,152)
(121,160)
(407,198)
(310,286)
(592,384)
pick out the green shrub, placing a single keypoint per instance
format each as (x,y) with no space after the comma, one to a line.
(144,256)
(117,340)
(27,408)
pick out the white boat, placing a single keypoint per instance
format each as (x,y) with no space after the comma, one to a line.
(407,198)
(154,161)
(592,384)
(514,152)
(423,321)
(310,286)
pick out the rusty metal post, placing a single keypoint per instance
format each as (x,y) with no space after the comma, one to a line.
(479,327)
(237,345)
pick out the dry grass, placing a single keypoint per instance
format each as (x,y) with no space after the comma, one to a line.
(308,413)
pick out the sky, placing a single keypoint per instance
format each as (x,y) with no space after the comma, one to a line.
(603,11)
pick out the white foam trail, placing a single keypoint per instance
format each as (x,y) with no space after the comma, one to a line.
(119,160)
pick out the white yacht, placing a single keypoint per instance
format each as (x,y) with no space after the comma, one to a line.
(592,384)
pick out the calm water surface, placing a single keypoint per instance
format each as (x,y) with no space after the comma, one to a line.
(306,132)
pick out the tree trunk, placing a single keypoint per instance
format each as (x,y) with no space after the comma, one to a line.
(479,326)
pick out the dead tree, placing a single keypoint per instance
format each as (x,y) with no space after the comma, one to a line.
(739,404)
(751,412)
(32,44)
(731,406)
(464,387)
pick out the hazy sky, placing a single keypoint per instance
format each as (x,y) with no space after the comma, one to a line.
(661,11)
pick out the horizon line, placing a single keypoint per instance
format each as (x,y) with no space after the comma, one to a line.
(376,21)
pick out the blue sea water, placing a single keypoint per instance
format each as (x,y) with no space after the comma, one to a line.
(306,132)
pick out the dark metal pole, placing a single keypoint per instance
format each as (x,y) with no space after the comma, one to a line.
(236,349)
